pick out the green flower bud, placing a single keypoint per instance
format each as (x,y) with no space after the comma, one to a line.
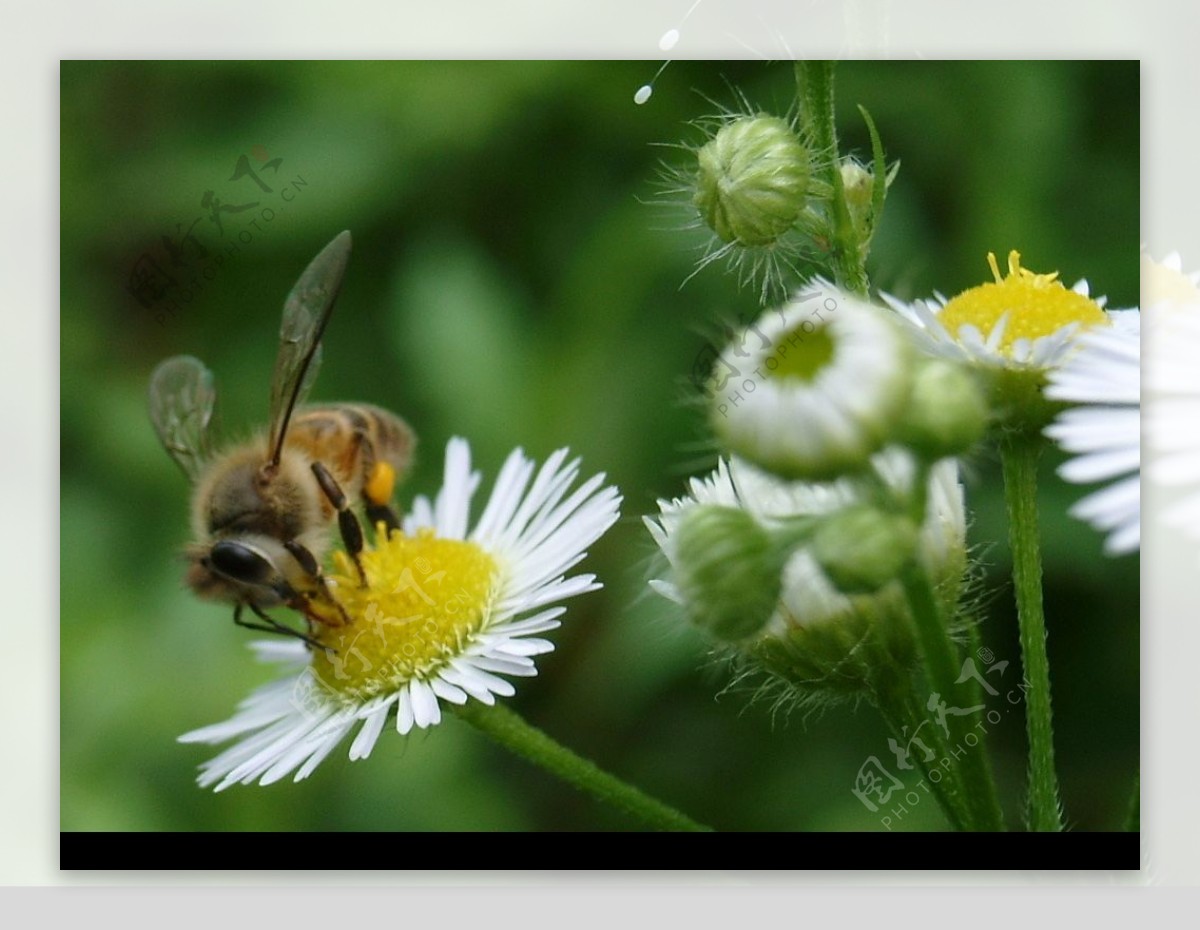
(861,549)
(858,184)
(752,180)
(819,642)
(947,412)
(727,571)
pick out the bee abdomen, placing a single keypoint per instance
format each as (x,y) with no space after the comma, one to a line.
(351,438)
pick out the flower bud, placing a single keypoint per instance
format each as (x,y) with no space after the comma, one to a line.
(727,571)
(947,412)
(861,549)
(858,186)
(744,562)
(752,180)
(812,390)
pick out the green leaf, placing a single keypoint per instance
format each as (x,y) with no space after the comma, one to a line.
(878,170)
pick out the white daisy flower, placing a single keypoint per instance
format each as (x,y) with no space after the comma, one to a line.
(1104,432)
(1172,300)
(812,390)
(447,609)
(1020,322)
(808,598)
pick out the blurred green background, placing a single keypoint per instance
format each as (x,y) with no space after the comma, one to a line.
(511,283)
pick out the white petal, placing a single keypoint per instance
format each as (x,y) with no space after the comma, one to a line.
(317,758)
(420,515)
(426,712)
(279,650)
(1110,506)
(1124,540)
(364,742)
(325,737)
(480,677)
(448,692)
(404,712)
(524,647)
(467,680)
(543,622)
(517,666)
(1100,465)
(506,496)
(454,499)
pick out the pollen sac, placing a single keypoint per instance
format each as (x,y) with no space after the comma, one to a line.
(752,180)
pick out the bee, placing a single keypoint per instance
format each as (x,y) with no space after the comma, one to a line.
(263,511)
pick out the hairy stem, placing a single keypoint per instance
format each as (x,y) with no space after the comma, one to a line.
(1019,457)
(965,741)
(946,789)
(512,732)
(814,85)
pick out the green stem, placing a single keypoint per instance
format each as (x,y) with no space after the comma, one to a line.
(943,668)
(946,789)
(513,733)
(814,85)
(1019,457)
(974,646)
(950,789)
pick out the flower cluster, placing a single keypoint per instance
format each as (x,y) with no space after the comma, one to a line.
(842,422)
(840,478)
(799,615)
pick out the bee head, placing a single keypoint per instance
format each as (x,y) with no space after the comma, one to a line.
(238,569)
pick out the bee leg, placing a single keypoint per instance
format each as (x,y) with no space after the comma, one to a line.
(383,513)
(271,625)
(309,563)
(299,603)
(377,495)
(351,529)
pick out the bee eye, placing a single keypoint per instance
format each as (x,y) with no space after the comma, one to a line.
(241,563)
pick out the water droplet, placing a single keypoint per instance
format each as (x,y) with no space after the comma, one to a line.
(643,94)
(668,40)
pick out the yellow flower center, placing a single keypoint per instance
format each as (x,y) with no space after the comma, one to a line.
(1037,305)
(801,355)
(424,599)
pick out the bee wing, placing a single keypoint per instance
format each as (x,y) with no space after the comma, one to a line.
(305,315)
(183,397)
